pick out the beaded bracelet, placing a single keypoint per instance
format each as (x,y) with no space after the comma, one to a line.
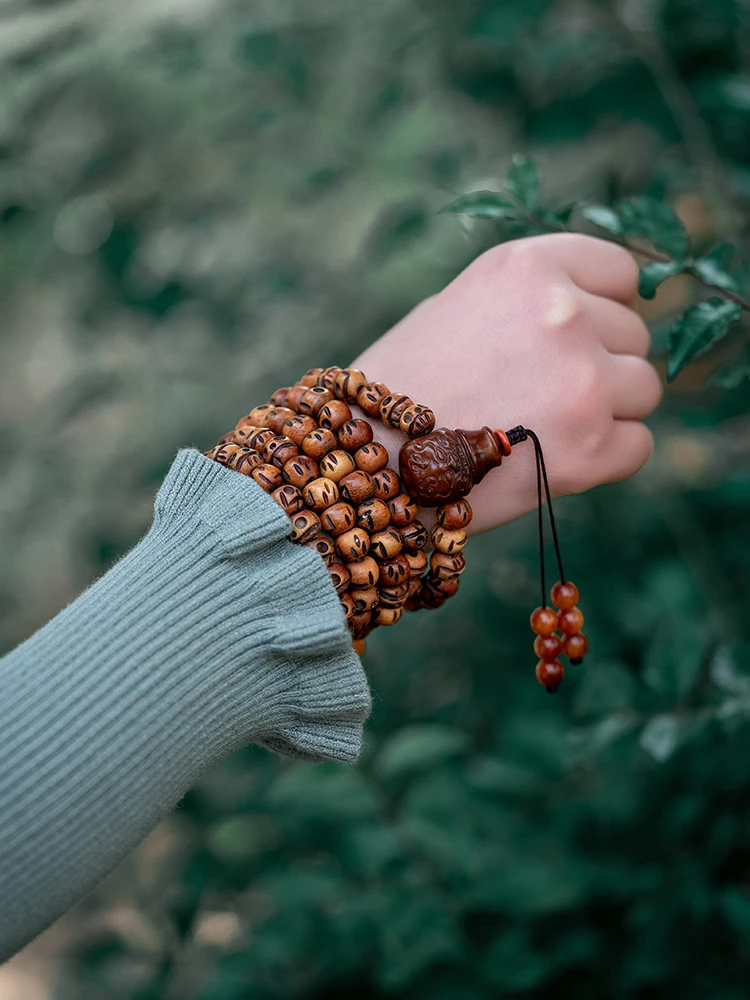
(324,468)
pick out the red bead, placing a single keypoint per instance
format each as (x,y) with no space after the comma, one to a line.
(548,647)
(550,673)
(576,646)
(564,595)
(570,621)
(543,621)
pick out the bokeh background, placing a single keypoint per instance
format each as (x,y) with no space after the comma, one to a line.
(199,199)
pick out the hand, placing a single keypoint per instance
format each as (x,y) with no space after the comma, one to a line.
(539,332)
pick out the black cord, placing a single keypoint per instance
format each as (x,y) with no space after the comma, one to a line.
(540,517)
(553,526)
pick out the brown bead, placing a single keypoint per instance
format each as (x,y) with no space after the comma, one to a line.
(225,453)
(449,542)
(414,536)
(548,647)
(314,400)
(347,384)
(358,645)
(334,415)
(369,398)
(575,647)
(570,621)
(294,395)
(320,494)
(305,526)
(417,563)
(259,415)
(353,544)
(248,460)
(336,464)
(403,510)
(386,544)
(456,515)
(312,377)
(279,398)
(277,417)
(279,450)
(392,406)
(387,616)
(543,621)
(365,598)
(564,595)
(445,567)
(318,443)
(355,434)
(243,434)
(414,585)
(394,571)
(339,576)
(360,624)
(325,546)
(393,597)
(268,476)
(550,673)
(371,457)
(356,487)
(429,596)
(328,378)
(301,470)
(259,438)
(347,603)
(288,498)
(417,420)
(447,587)
(229,438)
(387,484)
(364,572)
(373,515)
(338,518)
(297,428)
(235,455)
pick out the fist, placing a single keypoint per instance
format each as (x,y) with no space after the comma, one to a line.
(540,332)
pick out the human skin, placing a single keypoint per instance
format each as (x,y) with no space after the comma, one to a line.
(540,332)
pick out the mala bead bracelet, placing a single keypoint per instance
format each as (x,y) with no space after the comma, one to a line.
(325,469)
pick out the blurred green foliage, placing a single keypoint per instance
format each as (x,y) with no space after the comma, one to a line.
(197,202)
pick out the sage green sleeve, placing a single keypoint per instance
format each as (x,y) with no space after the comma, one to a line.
(212,632)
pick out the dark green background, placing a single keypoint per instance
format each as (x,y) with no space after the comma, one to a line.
(197,203)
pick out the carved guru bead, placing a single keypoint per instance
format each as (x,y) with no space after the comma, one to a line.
(337,464)
(373,515)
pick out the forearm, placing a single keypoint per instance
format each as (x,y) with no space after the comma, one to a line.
(213,632)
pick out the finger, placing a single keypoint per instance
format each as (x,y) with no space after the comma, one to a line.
(635,387)
(620,329)
(596,266)
(630,446)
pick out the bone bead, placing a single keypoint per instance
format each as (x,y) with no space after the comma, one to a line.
(354,434)
(387,616)
(320,494)
(370,396)
(417,563)
(338,518)
(259,414)
(294,395)
(454,515)
(371,457)
(314,400)
(347,603)
(445,567)
(347,384)
(325,547)
(318,443)
(268,476)
(373,515)
(301,470)
(235,456)
(403,510)
(229,438)
(339,576)
(365,598)
(259,438)
(387,484)
(297,428)
(225,453)
(364,572)
(328,378)
(277,417)
(247,460)
(334,415)
(393,597)
(417,420)
(414,585)
(353,544)
(449,542)
(414,536)
(312,377)
(288,498)
(394,571)
(279,398)
(428,594)
(305,526)
(337,464)
(243,434)
(279,450)
(392,406)
(360,624)
(356,487)
(447,587)
(386,544)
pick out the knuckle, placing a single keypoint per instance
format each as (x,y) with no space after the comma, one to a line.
(565,307)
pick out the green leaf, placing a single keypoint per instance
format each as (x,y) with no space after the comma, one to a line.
(603,216)
(653,273)
(733,373)
(642,216)
(700,326)
(714,267)
(522,180)
(483,205)
(419,747)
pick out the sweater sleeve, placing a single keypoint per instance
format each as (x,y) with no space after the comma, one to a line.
(212,632)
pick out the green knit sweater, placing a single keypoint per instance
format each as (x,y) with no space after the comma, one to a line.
(212,632)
